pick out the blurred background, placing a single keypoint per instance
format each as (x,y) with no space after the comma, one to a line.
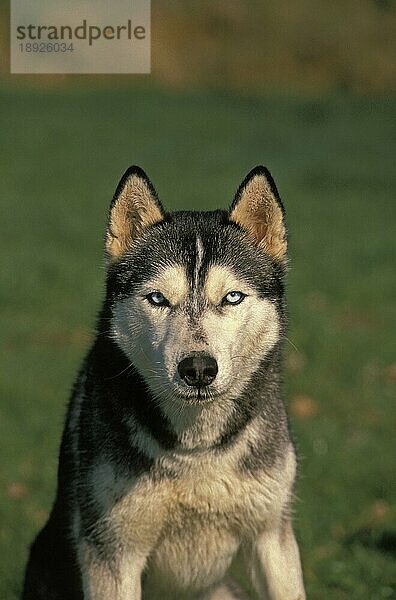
(306,88)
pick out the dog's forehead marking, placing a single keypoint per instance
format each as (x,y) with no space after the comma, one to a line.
(199,255)
(198,260)
(219,281)
(171,282)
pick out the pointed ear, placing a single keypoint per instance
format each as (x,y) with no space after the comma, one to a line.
(259,210)
(134,207)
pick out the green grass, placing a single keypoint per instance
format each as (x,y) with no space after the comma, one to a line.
(333,158)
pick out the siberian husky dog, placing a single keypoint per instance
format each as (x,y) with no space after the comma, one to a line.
(176,459)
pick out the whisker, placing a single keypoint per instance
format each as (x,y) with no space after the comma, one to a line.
(292,344)
(127,368)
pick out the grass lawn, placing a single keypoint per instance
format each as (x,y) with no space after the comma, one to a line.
(62,153)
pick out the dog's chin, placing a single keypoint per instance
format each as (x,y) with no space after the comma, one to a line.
(196,396)
(171,391)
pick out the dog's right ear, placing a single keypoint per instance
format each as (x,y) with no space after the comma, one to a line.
(134,207)
(258,209)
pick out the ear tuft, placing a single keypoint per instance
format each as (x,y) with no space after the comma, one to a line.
(257,208)
(135,206)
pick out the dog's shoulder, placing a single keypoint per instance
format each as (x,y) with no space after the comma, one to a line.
(211,486)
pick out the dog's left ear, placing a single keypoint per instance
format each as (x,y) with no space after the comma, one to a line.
(257,208)
(135,206)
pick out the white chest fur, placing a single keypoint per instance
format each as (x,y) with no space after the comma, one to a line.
(191,527)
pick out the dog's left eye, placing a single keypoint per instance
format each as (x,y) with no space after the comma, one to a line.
(233,298)
(157,299)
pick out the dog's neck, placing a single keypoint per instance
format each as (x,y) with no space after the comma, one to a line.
(198,427)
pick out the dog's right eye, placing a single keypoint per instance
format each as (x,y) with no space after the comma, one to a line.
(157,299)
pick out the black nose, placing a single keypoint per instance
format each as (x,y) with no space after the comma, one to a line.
(198,369)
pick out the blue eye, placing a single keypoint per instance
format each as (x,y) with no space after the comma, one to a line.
(157,299)
(233,297)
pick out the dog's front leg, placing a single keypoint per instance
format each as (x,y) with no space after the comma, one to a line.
(276,567)
(115,575)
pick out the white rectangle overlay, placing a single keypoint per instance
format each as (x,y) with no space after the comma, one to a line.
(80,36)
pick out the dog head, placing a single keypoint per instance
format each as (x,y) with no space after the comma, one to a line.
(196,297)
